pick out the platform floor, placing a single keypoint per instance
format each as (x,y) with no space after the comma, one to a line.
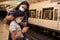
(3,31)
(30,34)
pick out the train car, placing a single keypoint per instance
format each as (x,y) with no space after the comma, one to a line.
(46,16)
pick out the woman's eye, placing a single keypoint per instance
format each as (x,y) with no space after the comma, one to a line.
(22,7)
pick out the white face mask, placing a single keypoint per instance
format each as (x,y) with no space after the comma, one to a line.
(18,21)
(22,9)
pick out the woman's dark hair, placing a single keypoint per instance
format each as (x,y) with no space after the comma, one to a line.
(18,14)
(25,3)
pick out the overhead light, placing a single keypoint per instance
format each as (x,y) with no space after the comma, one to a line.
(32,0)
(23,0)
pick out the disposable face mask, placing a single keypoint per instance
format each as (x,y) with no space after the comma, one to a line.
(18,21)
(22,9)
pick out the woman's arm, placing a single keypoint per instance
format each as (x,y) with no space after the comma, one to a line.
(13,35)
(25,29)
(24,24)
(24,21)
(18,35)
(10,17)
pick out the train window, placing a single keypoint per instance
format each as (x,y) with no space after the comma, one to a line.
(56,14)
(32,13)
(47,13)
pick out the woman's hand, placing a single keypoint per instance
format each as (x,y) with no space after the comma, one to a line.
(25,29)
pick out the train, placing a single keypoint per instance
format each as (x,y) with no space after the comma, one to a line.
(46,16)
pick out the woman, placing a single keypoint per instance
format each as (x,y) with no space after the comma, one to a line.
(23,7)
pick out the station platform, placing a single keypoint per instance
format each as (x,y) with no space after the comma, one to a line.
(31,34)
(3,31)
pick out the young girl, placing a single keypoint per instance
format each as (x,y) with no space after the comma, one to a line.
(15,29)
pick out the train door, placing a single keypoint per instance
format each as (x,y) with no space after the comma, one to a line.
(58,17)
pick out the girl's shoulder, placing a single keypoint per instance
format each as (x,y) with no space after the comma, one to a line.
(13,23)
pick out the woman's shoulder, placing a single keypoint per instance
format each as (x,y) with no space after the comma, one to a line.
(11,12)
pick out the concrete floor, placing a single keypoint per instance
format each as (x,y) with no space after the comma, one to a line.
(3,31)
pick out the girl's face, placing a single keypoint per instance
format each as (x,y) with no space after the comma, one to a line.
(19,19)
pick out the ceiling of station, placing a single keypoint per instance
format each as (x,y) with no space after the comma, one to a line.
(8,5)
(13,3)
(3,0)
(9,0)
(35,1)
(30,1)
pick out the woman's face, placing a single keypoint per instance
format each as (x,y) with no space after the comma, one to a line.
(24,6)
